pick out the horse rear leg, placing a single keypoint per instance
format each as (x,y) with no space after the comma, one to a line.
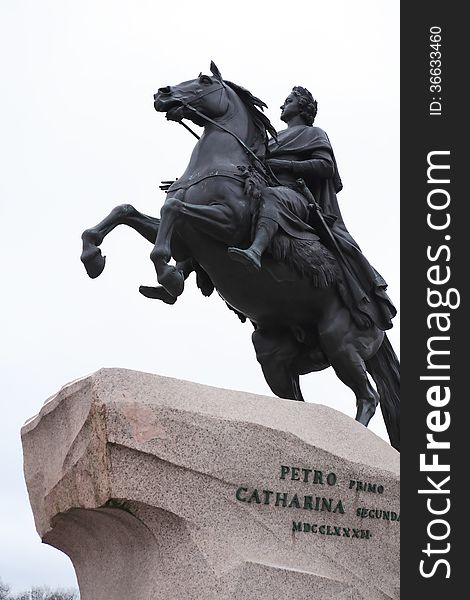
(276,352)
(125,214)
(346,348)
(351,370)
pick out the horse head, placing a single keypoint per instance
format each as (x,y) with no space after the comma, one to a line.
(211,96)
(207,94)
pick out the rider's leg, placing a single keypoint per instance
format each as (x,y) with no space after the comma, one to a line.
(266,228)
(251,257)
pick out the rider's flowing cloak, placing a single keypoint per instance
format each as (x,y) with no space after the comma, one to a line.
(313,159)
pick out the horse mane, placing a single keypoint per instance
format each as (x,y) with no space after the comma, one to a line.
(253,105)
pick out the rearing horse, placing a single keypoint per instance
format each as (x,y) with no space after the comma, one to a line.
(301,322)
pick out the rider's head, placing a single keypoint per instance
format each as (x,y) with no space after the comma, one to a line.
(307,104)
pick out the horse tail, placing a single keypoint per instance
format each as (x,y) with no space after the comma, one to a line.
(384,368)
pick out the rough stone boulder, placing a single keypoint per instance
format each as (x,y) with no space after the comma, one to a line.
(163,489)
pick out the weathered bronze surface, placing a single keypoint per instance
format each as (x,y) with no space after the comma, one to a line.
(258,220)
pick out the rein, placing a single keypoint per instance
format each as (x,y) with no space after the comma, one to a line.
(267,171)
(234,135)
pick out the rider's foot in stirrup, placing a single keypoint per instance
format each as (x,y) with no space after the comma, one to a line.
(249,257)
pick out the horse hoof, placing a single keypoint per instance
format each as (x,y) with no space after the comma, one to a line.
(157,293)
(173,282)
(94,262)
(365,411)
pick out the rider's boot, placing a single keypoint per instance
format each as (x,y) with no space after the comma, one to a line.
(251,257)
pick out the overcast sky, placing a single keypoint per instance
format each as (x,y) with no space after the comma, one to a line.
(79,135)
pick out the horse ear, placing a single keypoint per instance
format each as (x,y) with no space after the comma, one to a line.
(215,71)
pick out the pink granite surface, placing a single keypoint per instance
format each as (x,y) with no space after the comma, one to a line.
(148,484)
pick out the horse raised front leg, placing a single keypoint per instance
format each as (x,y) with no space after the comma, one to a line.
(170,277)
(125,214)
(215,220)
(185,267)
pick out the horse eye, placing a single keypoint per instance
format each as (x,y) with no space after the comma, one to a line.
(205,79)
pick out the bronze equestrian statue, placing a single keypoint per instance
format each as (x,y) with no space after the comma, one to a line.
(255,215)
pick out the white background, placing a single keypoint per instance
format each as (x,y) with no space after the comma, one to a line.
(79,135)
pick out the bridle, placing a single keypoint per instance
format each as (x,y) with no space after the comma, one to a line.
(267,171)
